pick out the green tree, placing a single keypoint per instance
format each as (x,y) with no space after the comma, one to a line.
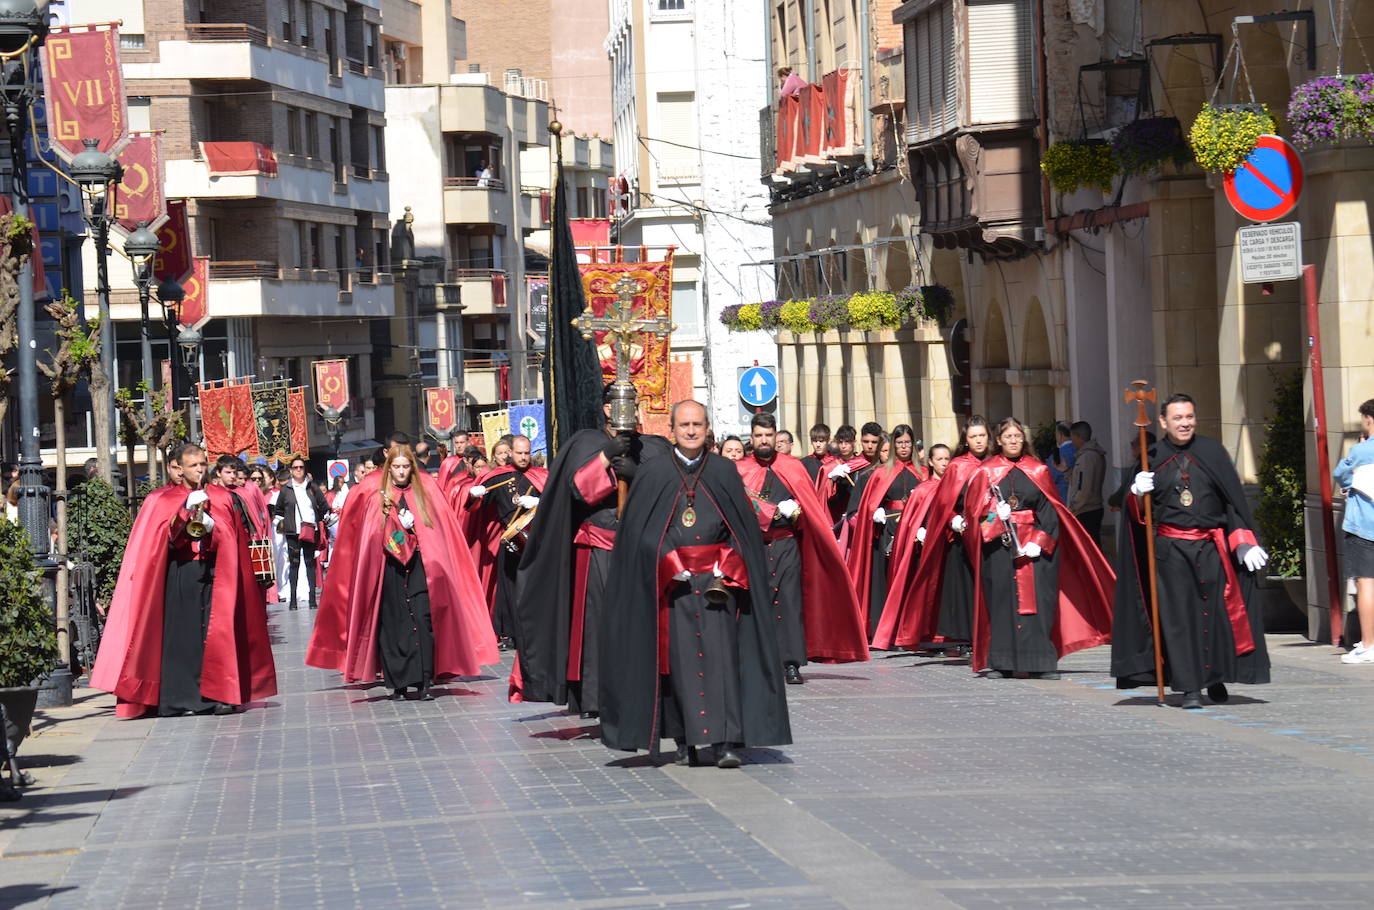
(100,528)
(1283,478)
(28,635)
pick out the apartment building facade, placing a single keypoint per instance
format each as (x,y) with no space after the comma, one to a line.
(685,86)
(299,245)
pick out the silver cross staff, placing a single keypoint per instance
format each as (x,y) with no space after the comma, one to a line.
(619,327)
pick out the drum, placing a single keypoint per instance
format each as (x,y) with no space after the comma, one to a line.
(515,536)
(264,567)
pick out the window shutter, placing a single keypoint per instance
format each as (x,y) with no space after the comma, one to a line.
(1000,48)
(931,74)
(676,154)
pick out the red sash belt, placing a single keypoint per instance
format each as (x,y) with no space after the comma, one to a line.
(699,560)
(777,532)
(1023,569)
(1235,604)
(588,538)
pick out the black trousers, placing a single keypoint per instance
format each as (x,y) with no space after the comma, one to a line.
(296,553)
(1092,523)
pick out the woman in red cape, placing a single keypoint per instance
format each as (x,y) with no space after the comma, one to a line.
(347,626)
(886,488)
(237,665)
(935,602)
(1042,589)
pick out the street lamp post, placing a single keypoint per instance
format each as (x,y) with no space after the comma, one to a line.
(170,294)
(22,27)
(188,340)
(141,246)
(98,173)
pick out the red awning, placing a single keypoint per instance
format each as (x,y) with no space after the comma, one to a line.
(239,159)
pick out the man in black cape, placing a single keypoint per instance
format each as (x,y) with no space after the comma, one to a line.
(688,648)
(561,584)
(1207,554)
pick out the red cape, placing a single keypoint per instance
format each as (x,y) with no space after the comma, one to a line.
(446,476)
(345,636)
(826,487)
(861,543)
(912,611)
(237,667)
(835,631)
(1086,582)
(905,548)
(480,527)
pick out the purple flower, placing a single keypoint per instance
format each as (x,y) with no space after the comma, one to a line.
(729,316)
(770,313)
(1331,108)
(830,311)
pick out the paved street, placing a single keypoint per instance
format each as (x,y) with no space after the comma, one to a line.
(911,784)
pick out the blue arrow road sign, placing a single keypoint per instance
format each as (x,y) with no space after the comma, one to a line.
(758,385)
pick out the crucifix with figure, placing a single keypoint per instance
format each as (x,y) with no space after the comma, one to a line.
(620,325)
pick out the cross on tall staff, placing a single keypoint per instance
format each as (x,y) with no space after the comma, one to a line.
(620,326)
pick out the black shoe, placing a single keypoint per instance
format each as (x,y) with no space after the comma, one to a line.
(425,695)
(1001,674)
(1048,674)
(590,715)
(1191,701)
(726,757)
(222,709)
(1217,693)
(504,643)
(686,756)
(293,606)
(792,674)
(398,695)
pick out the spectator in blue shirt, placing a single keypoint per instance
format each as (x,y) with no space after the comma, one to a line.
(1359,532)
(1062,461)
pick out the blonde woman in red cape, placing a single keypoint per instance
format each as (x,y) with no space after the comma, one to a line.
(397,601)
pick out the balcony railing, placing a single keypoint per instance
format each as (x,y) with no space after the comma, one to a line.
(225,31)
(481,183)
(244,268)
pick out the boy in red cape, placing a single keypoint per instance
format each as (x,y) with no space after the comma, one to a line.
(186,631)
(347,625)
(814,608)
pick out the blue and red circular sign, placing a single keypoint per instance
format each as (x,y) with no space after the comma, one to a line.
(1267,184)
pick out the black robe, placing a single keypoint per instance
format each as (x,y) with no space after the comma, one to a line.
(632,693)
(784,578)
(1019,641)
(502,499)
(545,582)
(813,467)
(1199,644)
(878,566)
(405,626)
(185,624)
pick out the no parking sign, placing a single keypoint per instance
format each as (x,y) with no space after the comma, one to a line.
(1267,185)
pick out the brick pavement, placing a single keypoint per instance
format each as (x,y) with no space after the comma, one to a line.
(912,784)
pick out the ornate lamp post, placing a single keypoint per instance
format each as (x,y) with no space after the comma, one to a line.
(98,174)
(141,246)
(23,27)
(170,294)
(188,340)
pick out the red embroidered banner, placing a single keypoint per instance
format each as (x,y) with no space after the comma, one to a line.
(140,198)
(239,159)
(174,256)
(680,386)
(591,232)
(84,89)
(648,353)
(440,410)
(809,117)
(227,419)
(300,428)
(331,384)
(836,109)
(786,128)
(195,307)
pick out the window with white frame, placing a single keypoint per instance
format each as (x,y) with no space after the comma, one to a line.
(670,9)
(686,311)
(675,149)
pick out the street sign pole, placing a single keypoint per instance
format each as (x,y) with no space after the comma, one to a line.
(1314,345)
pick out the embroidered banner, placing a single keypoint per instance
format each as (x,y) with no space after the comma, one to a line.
(174,255)
(648,353)
(300,426)
(227,419)
(331,384)
(440,410)
(83,86)
(680,386)
(527,419)
(195,306)
(139,198)
(495,424)
(273,419)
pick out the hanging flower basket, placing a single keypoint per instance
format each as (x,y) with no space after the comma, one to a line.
(770,314)
(1146,145)
(1074,165)
(937,302)
(865,311)
(1332,108)
(830,311)
(1223,136)
(795,315)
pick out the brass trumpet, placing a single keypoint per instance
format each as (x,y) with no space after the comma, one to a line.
(195,526)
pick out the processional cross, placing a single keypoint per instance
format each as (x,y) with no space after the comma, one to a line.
(620,327)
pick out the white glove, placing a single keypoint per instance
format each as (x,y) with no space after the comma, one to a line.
(407,518)
(278,522)
(841,470)
(879,515)
(683,576)
(957,524)
(528,501)
(196,498)
(920,535)
(789,509)
(477,492)
(1255,559)
(1004,510)
(715,570)
(1144,482)
(208,522)
(1030,549)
